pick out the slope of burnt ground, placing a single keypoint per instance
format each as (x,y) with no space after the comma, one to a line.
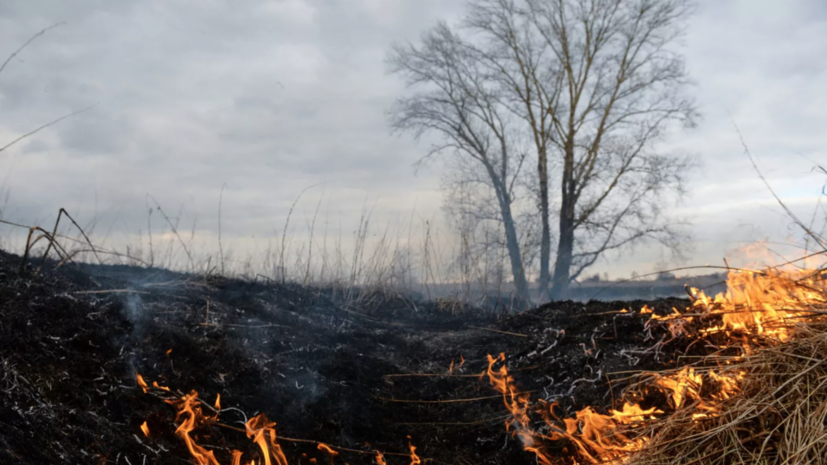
(362,373)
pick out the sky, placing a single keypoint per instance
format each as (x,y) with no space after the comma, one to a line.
(252,104)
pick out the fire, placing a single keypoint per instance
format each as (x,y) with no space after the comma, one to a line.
(141,382)
(764,302)
(517,404)
(259,429)
(758,307)
(415,460)
(189,408)
(597,437)
(156,386)
(330,452)
(684,385)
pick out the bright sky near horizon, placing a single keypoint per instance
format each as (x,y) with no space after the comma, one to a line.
(268,98)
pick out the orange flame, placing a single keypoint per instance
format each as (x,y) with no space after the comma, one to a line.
(141,382)
(145,429)
(330,452)
(218,401)
(516,404)
(190,409)
(156,386)
(259,426)
(415,460)
(380,459)
(756,304)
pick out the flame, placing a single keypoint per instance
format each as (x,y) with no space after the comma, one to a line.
(218,401)
(189,408)
(237,457)
(517,404)
(380,459)
(145,387)
(156,386)
(415,460)
(632,413)
(763,303)
(595,436)
(257,428)
(461,363)
(141,382)
(757,306)
(603,438)
(330,452)
(145,429)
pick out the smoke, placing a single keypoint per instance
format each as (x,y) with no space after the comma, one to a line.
(136,314)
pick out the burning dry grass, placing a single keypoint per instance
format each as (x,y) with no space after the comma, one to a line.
(779,415)
(778,411)
(757,393)
(765,404)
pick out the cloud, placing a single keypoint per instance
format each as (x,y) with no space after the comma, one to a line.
(271,97)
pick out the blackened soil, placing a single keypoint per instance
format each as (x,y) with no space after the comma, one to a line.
(361,371)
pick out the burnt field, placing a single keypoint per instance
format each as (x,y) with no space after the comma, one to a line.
(360,373)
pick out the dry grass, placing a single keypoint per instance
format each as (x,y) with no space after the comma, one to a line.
(778,417)
(779,414)
(412,257)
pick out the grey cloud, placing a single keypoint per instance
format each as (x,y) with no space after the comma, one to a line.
(274,96)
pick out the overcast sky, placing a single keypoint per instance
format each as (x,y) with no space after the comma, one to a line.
(273,96)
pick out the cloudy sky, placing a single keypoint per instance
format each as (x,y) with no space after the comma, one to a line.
(270,97)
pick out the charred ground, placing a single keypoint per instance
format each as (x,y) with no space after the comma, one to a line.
(360,373)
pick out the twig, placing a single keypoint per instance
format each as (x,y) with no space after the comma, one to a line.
(174,231)
(818,239)
(220,248)
(585,380)
(31,133)
(32,39)
(256,326)
(446,401)
(112,291)
(470,423)
(428,375)
(63,211)
(498,331)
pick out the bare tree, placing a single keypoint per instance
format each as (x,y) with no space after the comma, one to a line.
(623,87)
(595,84)
(457,102)
(590,86)
(518,59)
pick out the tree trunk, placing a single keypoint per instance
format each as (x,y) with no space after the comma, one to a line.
(517,269)
(512,243)
(562,267)
(565,246)
(545,240)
